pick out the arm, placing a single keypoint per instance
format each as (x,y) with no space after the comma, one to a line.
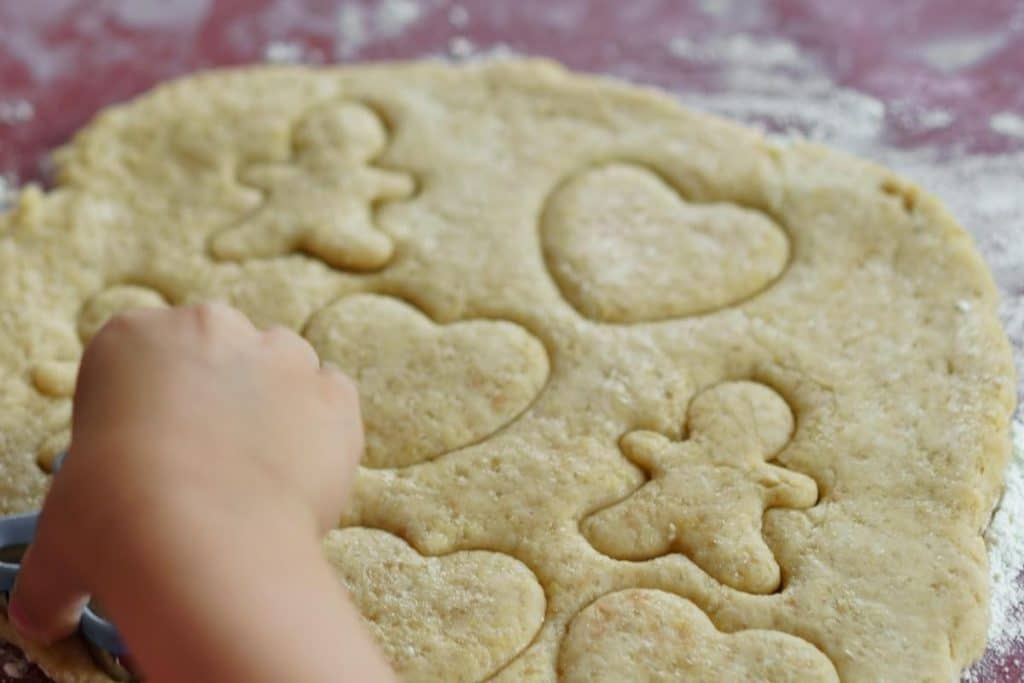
(205,465)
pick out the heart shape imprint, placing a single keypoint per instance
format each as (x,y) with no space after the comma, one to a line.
(651,635)
(427,389)
(56,378)
(624,247)
(459,617)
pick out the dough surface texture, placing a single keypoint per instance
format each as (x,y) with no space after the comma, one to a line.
(648,396)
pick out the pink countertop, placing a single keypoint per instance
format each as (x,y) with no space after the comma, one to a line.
(934,88)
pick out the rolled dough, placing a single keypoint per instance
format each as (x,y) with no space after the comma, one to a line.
(648,395)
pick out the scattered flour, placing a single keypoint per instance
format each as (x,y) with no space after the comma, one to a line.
(1008,124)
(717,8)
(394,16)
(458,16)
(360,25)
(497,51)
(953,54)
(737,48)
(461,47)
(8,191)
(281,52)
(159,13)
(1005,544)
(931,119)
(771,83)
(17,111)
(914,117)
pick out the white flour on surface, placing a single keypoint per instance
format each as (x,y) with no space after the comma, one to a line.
(1005,544)
(16,111)
(8,191)
(735,48)
(458,16)
(283,52)
(461,47)
(361,24)
(953,54)
(1007,123)
(158,13)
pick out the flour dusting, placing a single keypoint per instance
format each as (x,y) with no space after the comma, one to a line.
(461,47)
(953,54)
(1005,544)
(458,16)
(13,112)
(361,25)
(737,48)
(8,191)
(159,13)
(282,52)
(1008,124)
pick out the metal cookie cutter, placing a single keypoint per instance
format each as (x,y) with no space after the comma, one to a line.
(100,635)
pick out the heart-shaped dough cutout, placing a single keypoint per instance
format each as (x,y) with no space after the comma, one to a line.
(651,635)
(624,247)
(455,618)
(427,389)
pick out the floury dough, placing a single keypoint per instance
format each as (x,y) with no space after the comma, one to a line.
(648,396)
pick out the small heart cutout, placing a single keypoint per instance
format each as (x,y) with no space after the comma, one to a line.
(624,247)
(56,378)
(427,389)
(651,635)
(111,301)
(459,617)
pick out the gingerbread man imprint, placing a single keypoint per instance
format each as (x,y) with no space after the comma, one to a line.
(321,201)
(707,494)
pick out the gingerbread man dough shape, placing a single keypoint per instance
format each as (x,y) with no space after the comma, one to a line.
(707,495)
(321,201)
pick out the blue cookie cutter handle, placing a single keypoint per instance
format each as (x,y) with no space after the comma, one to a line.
(101,633)
(15,530)
(18,530)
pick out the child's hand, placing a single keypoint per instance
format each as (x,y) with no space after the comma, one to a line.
(207,460)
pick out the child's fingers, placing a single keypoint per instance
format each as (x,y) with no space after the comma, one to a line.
(288,343)
(47,600)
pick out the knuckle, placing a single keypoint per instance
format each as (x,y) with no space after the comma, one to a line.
(112,331)
(119,322)
(210,315)
(207,312)
(281,334)
(288,340)
(340,385)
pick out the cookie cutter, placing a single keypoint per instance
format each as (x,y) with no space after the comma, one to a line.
(101,636)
